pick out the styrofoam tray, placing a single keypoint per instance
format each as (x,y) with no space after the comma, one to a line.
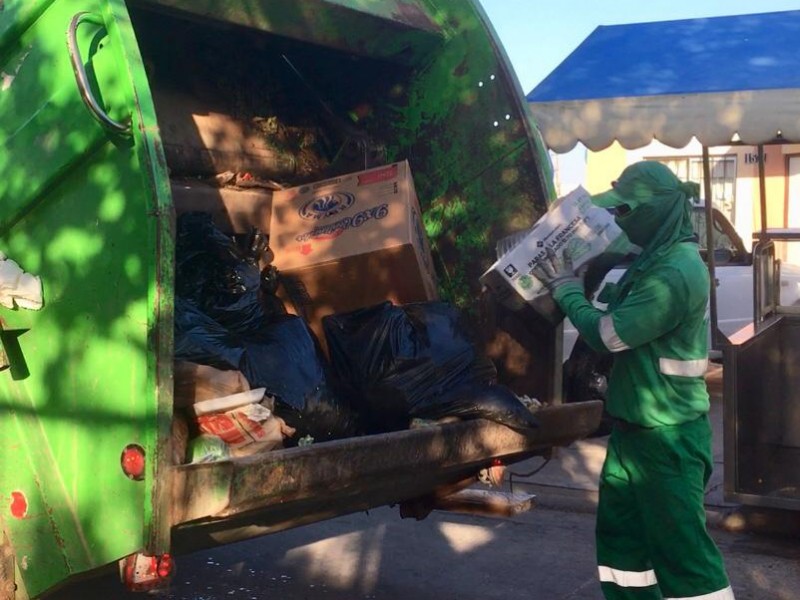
(226,403)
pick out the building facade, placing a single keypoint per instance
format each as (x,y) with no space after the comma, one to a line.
(734,180)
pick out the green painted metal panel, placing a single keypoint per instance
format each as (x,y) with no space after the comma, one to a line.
(17,16)
(399,30)
(466,114)
(87,210)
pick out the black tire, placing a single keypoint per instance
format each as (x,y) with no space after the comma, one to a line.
(586,378)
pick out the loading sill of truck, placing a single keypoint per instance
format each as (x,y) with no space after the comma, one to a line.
(216,503)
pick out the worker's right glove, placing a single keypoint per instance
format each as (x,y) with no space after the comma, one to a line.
(553,271)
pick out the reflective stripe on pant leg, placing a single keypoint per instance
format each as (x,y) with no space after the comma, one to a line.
(623,565)
(669,468)
(726,594)
(627,578)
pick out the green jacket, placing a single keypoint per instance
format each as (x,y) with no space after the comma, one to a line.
(656,324)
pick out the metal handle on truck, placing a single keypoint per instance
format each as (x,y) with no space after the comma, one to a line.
(82,79)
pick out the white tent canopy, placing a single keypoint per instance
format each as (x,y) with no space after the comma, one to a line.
(718,79)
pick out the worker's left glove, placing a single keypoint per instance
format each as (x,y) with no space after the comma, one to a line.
(553,271)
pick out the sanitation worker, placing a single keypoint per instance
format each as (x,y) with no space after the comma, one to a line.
(652,541)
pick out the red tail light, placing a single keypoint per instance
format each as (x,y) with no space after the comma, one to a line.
(133,462)
(165,565)
(144,572)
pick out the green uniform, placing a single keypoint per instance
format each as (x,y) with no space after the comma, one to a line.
(657,325)
(652,541)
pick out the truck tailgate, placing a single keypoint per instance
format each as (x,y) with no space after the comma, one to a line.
(286,488)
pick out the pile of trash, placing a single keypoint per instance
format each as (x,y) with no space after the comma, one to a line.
(250,377)
(398,363)
(225,417)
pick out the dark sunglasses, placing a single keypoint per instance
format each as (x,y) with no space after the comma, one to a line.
(621,210)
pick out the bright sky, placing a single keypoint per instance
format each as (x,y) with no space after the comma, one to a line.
(539,34)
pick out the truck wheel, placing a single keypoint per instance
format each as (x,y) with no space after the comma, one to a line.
(7,586)
(586,378)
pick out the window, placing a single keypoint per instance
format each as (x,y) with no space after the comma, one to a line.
(723,178)
(728,246)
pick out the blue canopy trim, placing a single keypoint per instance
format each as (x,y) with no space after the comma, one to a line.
(715,79)
(718,54)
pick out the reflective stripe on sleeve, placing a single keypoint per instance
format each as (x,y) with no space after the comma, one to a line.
(683,368)
(726,594)
(627,579)
(609,335)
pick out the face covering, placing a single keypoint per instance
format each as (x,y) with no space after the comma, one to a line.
(652,204)
(643,224)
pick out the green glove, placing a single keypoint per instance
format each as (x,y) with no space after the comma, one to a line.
(553,271)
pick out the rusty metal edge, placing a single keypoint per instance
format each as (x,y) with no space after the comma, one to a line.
(388,467)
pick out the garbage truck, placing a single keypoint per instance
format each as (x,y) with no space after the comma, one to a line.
(107,109)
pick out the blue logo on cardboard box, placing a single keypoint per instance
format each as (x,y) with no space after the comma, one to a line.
(333,230)
(322,207)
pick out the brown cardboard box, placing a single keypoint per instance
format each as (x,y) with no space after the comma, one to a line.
(350,242)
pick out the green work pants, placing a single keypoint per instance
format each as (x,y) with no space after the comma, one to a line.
(652,541)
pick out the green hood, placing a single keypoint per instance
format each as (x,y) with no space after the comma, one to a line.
(658,207)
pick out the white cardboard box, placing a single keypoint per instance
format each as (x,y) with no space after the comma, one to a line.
(571,222)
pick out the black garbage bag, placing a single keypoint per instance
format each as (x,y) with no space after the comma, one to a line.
(488,401)
(285,358)
(222,279)
(200,339)
(396,363)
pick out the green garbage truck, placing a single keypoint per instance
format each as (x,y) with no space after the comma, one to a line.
(105,105)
